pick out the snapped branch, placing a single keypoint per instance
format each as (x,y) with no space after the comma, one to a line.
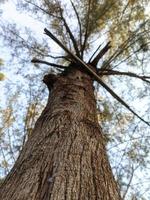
(100,54)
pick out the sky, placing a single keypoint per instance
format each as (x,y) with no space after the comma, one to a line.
(11,14)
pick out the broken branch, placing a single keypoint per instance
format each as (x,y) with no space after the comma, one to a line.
(100,54)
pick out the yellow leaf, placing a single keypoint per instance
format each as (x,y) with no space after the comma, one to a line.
(2,76)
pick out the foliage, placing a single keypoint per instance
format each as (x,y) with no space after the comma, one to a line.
(2,76)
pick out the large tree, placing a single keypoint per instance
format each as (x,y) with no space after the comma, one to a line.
(65,155)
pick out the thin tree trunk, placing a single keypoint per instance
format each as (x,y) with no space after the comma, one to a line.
(65,156)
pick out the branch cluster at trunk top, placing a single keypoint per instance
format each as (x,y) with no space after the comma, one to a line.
(90,69)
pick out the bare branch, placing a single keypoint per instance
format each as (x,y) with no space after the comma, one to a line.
(100,54)
(34,60)
(79,22)
(95,75)
(70,33)
(131,74)
(94,53)
(60,57)
(87,29)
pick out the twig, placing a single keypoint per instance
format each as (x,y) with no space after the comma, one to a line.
(130,180)
(43,10)
(126,6)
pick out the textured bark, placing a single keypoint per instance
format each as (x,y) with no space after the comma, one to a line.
(65,156)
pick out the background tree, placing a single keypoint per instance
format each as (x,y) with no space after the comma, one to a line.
(128,31)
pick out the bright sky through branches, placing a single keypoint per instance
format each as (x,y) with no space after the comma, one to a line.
(11,14)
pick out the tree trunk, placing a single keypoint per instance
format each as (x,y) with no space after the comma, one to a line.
(65,156)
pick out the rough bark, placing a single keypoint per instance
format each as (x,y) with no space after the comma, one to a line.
(65,156)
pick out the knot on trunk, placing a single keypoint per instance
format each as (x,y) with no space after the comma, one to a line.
(49,80)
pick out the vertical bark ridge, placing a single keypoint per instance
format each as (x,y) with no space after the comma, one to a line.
(65,157)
